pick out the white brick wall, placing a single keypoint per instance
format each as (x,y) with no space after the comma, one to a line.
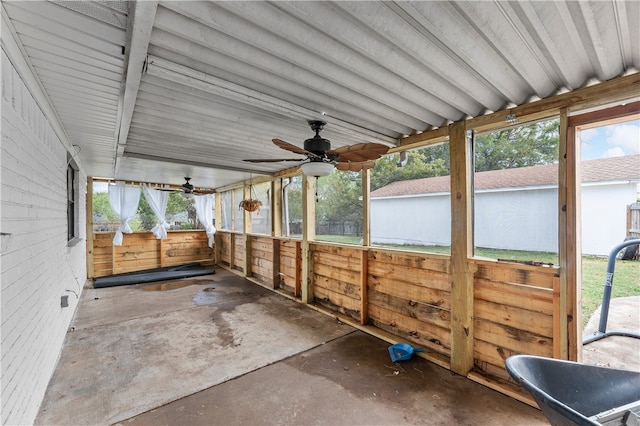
(37,264)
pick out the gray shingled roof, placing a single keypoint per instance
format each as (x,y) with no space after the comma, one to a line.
(601,170)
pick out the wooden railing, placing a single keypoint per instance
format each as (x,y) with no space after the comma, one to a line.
(141,250)
(408,295)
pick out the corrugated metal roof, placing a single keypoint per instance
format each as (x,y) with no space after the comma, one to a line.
(158,90)
(624,168)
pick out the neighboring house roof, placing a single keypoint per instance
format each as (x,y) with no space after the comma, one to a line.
(601,170)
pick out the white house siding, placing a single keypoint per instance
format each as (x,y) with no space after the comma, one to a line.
(604,215)
(38,265)
(515,219)
(422,220)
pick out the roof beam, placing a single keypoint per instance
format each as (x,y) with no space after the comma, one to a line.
(616,90)
(192,163)
(141,20)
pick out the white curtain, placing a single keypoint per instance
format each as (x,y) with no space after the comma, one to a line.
(158,202)
(124,203)
(204,212)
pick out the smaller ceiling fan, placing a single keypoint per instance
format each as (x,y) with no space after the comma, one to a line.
(188,189)
(320,159)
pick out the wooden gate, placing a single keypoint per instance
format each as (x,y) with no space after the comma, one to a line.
(633,220)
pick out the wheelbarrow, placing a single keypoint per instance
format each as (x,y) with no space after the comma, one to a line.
(572,393)
(402,351)
(602,332)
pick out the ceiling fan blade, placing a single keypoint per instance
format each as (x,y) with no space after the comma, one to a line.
(355,166)
(295,149)
(358,152)
(272,160)
(204,191)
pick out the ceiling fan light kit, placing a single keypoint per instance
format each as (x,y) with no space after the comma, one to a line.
(317,168)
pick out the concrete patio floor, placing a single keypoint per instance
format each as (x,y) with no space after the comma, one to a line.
(221,350)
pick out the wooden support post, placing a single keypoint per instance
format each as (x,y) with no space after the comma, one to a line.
(297,291)
(232,250)
(364,290)
(275,263)
(308,235)
(217,253)
(461,249)
(246,239)
(276,207)
(89,227)
(161,254)
(113,258)
(366,207)
(569,322)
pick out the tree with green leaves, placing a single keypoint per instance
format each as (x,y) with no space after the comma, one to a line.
(519,146)
(340,194)
(421,163)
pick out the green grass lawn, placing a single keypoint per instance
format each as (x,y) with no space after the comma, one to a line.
(626,278)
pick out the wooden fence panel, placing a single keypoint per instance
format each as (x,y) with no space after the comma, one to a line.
(290,267)
(238,252)
(262,259)
(336,277)
(513,313)
(103,254)
(141,250)
(633,220)
(225,239)
(410,295)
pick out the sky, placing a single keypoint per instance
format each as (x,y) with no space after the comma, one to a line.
(611,141)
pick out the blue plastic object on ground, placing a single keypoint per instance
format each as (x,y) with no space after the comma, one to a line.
(402,351)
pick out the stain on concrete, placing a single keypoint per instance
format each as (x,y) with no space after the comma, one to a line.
(172,284)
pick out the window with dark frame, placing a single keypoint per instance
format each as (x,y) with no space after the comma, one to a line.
(71,201)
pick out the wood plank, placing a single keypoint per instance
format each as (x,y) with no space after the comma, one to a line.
(90,247)
(531,298)
(401,276)
(337,261)
(422,261)
(338,299)
(461,249)
(429,314)
(275,262)
(365,185)
(410,292)
(599,94)
(513,339)
(495,354)
(432,337)
(308,235)
(570,241)
(514,317)
(336,274)
(344,251)
(538,276)
(364,293)
(351,290)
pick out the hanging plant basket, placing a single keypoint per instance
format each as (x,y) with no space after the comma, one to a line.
(251,205)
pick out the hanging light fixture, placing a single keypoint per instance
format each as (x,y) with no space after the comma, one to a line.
(317,168)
